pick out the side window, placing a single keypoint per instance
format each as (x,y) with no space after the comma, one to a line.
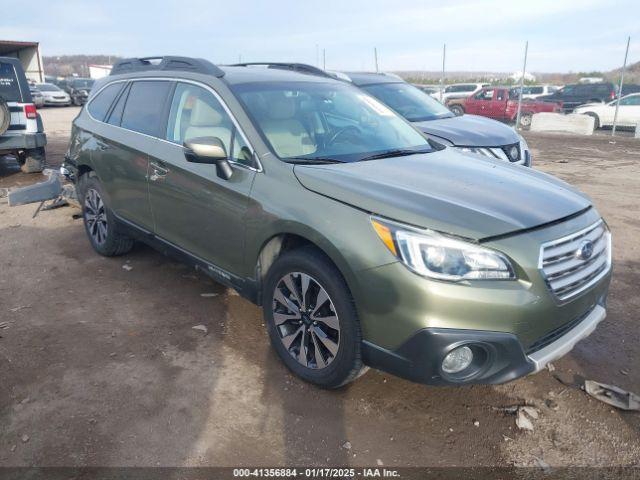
(145,102)
(99,105)
(116,114)
(196,112)
(501,94)
(634,100)
(468,88)
(484,95)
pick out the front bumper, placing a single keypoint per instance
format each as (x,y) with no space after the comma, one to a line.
(500,356)
(57,101)
(26,141)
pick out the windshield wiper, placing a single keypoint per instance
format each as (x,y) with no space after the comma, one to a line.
(393,153)
(312,161)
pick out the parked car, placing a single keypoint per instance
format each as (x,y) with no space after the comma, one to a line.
(501,103)
(629,88)
(36,96)
(571,96)
(628,112)
(458,90)
(470,133)
(364,242)
(54,95)
(21,130)
(532,92)
(78,89)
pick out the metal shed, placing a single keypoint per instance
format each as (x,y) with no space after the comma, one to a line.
(29,55)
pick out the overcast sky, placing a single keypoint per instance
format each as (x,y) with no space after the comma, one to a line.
(564,35)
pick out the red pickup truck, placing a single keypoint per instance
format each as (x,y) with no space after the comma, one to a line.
(501,103)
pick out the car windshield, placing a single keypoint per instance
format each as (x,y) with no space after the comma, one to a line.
(326,122)
(47,87)
(408,101)
(84,83)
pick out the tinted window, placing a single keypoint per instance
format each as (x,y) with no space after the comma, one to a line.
(196,112)
(535,90)
(99,105)
(145,103)
(484,95)
(408,101)
(633,100)
(9,88)
(116,114)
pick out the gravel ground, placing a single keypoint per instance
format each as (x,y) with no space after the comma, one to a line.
(100,365)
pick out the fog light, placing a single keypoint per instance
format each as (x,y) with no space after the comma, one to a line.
(457,360)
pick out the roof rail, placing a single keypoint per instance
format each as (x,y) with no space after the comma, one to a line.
(184,64)
(296,67)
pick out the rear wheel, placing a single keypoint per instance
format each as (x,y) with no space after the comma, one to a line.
(457,110)
(32,161)
(311,318)
(99,221)
(525,120)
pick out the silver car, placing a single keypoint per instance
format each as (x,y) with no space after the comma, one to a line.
(36,96)
(53,95)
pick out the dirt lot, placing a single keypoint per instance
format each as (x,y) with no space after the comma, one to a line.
(99,365)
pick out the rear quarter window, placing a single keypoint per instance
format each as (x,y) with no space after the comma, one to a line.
(9,88)
(100,104)
(145,103)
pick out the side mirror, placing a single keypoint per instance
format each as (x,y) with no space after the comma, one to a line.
(209,150)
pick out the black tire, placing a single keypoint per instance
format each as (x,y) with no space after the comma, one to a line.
(457,110)
(5,116)
(596,119)
(108,242)
(525,120)
(32,161)
(347,364)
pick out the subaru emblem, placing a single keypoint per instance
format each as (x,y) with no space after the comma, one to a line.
(585,251)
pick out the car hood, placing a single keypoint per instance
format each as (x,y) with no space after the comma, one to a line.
(448,192)
(470,131)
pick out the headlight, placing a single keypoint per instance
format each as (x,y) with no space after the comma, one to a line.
(434,255)
(525,153)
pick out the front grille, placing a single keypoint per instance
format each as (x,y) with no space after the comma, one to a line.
(573,263)
(553,335)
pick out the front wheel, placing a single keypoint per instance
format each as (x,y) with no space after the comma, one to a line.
(311,318)
(596,120)
(99,221)
(457,110)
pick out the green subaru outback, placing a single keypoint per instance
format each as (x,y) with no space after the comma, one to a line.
(364,243)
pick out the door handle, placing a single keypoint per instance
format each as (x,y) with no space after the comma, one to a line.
(158,172)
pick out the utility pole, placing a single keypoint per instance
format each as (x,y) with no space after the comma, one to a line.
(324,59)
(624,67)
(317,56)
(444,56)
(375,57)
(524,70)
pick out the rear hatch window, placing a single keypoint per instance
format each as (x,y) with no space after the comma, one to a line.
(9,88)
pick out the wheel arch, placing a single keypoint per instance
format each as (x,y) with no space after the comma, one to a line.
(290,239)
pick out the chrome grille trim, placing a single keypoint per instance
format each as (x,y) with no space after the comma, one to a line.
(565,273)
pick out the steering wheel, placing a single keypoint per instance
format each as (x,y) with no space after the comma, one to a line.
(342,132)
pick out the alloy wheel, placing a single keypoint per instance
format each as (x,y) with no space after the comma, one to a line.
(95,216)
(306,320)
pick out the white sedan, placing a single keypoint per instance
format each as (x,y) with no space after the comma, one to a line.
(628,113)
(53,95)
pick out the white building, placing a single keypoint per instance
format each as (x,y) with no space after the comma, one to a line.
(29,55)
(516,76)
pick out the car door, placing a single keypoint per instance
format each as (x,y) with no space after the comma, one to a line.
(193,208)
(629,110)
(481,102)
(123,139)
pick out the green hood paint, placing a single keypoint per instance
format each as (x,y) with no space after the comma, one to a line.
(449,192)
